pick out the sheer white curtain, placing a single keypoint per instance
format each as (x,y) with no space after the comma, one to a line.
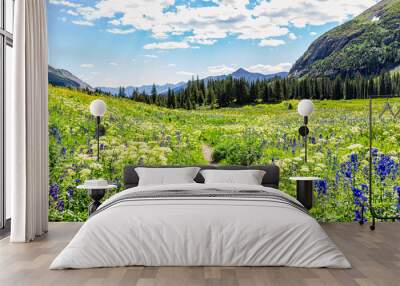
(27,124)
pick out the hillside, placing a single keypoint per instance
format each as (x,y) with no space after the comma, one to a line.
(367,44)
(64,78)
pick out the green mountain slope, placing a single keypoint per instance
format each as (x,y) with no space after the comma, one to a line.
(367,44)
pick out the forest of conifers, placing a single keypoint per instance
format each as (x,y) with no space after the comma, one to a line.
(230,91)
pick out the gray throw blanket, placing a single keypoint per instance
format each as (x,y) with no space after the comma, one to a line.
(205,193)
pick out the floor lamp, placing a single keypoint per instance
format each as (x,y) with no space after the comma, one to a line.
(97,109)
(305,108)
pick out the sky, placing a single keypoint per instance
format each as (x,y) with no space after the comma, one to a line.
(136,42)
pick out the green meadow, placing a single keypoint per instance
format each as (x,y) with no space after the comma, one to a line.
(137,133)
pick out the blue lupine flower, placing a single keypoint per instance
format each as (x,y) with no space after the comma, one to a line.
(385,166)
(347,170)
(53,131)
(60,205)
(364,187)
(322,187)
(102,146)
(53,191)
(359,197)
(70,192)
(56,134)
(313,140)
(357,216)
(77,181)
(90,151)
(354,162)
(63,151)
(359,201)
(337,178)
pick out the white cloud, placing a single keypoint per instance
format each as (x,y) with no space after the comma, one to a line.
(82,23)
(292,36)
(151,56)
(113,64)
(120,31)
(269,69)
(271,42)
(115,22)
(64,3)
(201,41)
(72,12)
(185,73)
(221,69)
(206,35)
(167,46)
(87,66)
(172,65)
(313,34)
(220,19)
(311,12)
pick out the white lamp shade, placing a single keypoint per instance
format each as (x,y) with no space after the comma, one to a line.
(98,107)
(305,107)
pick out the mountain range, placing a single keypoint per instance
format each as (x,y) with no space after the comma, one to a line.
(163,89)
(64,78)
(367,44)
(61,77)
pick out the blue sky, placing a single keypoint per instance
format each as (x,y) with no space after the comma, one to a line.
(136,42)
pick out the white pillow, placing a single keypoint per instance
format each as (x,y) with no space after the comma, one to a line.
(248,177)
(166,176)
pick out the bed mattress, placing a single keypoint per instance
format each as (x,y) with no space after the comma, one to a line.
(201,225)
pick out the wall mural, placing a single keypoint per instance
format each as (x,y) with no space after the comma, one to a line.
(218,82)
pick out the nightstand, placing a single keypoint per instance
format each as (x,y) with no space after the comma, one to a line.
(304,190)
(96,193)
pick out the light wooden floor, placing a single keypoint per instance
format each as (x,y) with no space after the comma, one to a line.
(375,257)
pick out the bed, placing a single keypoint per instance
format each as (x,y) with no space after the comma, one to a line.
(197,224)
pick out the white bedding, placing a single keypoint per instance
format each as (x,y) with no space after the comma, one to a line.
(202,232)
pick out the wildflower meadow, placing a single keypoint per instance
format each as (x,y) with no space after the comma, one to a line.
(137,133)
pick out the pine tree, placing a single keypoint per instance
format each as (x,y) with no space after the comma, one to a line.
(253,93)
(121,92)
(212,98)
(154,94)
